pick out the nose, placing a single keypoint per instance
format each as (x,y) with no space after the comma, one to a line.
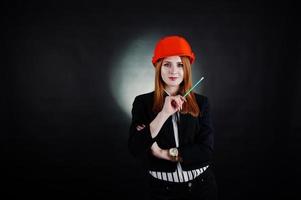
(173,69)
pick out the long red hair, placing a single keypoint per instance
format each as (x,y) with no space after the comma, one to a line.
(190,106)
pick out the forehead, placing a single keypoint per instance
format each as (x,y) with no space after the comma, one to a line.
(172,59)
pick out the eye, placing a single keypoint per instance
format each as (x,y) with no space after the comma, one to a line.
(166,64)
(180,65)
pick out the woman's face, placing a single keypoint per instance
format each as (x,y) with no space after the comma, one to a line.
(172,71)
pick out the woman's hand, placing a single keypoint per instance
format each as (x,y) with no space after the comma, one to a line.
(162,153)
(173,104)
(158,152)
(140,127)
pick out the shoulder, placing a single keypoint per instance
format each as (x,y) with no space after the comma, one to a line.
(201,99)
(144,97)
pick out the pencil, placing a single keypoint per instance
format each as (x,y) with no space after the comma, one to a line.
(174,104)
(193,87)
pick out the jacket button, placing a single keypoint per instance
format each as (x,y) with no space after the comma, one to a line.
(189,184)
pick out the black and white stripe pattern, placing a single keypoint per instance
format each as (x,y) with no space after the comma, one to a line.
(179,175)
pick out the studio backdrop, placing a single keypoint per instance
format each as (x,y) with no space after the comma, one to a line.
(73,69)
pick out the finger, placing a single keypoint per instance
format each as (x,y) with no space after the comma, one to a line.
(179,102)
(183,98)
(139,128)
(175,99)
(178,106)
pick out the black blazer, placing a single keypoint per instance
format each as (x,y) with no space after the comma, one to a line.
(195,136)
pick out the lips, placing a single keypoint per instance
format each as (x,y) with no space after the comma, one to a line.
(173,78)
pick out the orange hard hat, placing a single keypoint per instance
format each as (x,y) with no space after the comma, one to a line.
(172,46)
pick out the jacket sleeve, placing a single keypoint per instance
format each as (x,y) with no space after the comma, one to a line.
(202,149)
(139,142)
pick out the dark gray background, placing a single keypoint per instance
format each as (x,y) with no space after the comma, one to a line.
(65,136)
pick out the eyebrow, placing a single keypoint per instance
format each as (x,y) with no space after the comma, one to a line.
(167,61)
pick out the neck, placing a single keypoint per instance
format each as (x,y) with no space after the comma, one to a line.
(172,90)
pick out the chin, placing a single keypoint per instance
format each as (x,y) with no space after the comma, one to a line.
(173,84)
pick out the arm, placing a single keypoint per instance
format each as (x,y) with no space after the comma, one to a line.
(202,149)
(143,134)
(141,139)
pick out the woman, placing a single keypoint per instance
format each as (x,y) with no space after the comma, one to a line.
(170,134)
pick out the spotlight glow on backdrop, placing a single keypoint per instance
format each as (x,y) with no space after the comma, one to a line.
(133,73)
